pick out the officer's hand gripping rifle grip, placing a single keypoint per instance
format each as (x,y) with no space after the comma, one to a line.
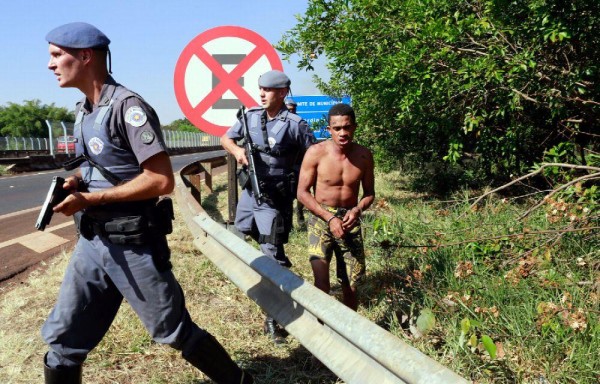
(259,196)
(55,195)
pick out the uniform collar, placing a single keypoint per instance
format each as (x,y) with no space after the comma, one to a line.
(281,115)
(108,90)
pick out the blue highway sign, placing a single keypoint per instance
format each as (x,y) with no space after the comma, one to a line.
(314,108)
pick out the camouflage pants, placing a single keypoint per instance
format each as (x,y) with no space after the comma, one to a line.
(349,250)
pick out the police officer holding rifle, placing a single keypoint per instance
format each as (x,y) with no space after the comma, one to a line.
(122,252)
(275,140)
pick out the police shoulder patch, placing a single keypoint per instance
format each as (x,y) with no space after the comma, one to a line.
(96,145)
(136,116)
(147,136)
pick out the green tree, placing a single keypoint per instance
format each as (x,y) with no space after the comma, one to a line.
(182,125)
(28,119)
(497,81)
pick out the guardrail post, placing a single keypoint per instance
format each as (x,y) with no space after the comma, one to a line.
(232,190)
(208,167)
(196,184)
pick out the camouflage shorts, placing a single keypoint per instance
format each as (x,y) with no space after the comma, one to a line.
(349,250)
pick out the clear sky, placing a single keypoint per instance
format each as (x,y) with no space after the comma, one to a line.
(147,38)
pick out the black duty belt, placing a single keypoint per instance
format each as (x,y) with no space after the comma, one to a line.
(119,230)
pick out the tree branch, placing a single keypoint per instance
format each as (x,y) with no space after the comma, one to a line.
(512,235)
(555,191)
(540,169)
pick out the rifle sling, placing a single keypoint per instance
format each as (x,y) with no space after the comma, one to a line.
(76,162)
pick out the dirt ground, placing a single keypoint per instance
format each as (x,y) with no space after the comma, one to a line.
(24,251)
(21,271)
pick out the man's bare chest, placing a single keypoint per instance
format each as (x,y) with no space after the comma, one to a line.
(339,171)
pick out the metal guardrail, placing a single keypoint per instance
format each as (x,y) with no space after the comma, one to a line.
(355,349)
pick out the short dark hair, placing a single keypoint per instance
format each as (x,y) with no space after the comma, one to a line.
(341,109)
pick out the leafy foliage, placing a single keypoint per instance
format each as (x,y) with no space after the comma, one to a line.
(28,119)
(490,84)
(182,125)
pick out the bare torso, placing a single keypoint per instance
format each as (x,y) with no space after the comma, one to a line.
(339,174)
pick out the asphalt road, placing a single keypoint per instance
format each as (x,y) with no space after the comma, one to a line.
(21,245)
(28,190)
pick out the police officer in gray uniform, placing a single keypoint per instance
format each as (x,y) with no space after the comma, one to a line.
(122,251)
(281,138)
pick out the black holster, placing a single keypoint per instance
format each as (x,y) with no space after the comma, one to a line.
(243,178)
(161,253)
(161,216)
(279,232)
(150,227)
(293,184)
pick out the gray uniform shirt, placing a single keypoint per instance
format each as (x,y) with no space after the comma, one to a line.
(287,132)
(133,124)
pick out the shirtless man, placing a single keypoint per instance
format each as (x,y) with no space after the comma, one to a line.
(335,170)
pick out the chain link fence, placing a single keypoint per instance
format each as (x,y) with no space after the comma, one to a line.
(61,140)
(24,144)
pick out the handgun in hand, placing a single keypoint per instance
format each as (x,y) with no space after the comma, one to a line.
(56,194)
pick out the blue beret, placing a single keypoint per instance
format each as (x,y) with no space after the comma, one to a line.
(78,35)
(274,79)
(290,101)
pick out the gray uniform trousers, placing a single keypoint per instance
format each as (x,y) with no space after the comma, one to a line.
(249,213)
(97,278)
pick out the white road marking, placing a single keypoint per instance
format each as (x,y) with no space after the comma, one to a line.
(40,241)
(20,212)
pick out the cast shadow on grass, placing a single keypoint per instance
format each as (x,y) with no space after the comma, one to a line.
(210,203)
(399,288)
(300,366)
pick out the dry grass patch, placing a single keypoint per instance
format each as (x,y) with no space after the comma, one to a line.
(23,310)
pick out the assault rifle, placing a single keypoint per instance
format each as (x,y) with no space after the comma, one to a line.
(56,194)
(251,150)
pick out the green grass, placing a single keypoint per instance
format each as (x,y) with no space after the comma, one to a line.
(490,268)
(531,293)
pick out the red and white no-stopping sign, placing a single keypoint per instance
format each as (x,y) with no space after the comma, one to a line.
(218,71)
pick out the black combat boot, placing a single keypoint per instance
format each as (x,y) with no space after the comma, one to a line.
(213,360)
(274,331)
(69,375)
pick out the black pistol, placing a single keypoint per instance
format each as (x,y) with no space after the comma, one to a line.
(56,194)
